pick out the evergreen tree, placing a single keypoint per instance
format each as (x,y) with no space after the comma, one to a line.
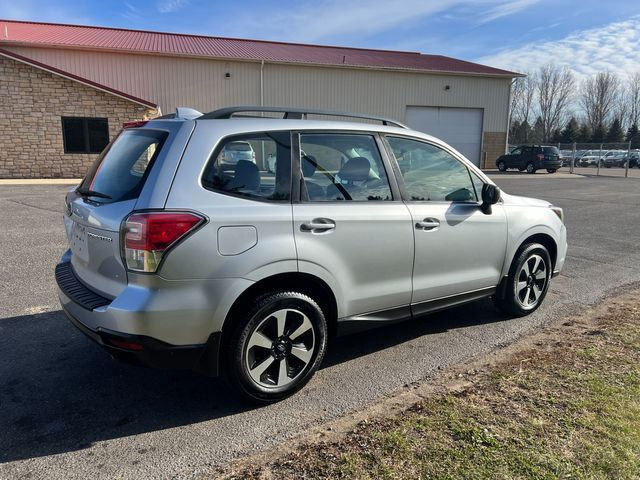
(598,134)
(514,132)
(633,136)
(538,131)
(556,137)
(615,133)
(584,134)
(571,132)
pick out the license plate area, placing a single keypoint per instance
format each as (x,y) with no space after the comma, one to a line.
(79,246)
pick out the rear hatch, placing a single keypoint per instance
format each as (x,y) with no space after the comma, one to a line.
(551,154)
(96,209)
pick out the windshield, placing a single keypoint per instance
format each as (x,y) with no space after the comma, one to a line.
(124,165)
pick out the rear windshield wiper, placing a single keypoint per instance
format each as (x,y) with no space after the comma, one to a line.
(85,192)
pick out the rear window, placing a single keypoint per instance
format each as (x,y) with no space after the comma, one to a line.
(551,150)
(239,147)
(124,165)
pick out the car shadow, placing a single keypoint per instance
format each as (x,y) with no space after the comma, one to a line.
(59,392)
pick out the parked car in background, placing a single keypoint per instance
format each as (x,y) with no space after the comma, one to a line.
(531,158)
(633,158)
(233,152)
(247,274)
(588,159)
(613,158)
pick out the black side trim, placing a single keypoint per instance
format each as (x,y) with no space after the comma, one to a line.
(366,321)
(75,290)
(431,306)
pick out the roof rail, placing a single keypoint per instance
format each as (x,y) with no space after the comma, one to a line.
(293,113)
(182,112)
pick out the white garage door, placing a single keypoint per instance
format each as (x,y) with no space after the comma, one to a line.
(459,127)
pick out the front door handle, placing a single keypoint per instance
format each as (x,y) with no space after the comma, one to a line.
(318,225)
(428,224)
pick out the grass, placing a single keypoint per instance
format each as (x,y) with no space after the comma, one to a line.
(569,409)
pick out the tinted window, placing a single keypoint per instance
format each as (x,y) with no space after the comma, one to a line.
(85,135)
(430,173)
(240,166)
(339,167)
(551,150)
(121,169)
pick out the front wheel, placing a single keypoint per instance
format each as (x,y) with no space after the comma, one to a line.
(551,170)
(527,282)
(275,346)
(502,166)
(531,168)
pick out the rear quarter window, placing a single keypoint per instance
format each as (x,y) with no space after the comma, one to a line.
(122,168)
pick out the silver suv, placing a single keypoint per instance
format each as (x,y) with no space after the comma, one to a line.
(178,261)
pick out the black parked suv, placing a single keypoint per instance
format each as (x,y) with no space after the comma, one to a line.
(531,158)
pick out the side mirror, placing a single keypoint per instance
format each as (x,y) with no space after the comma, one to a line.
(490,196)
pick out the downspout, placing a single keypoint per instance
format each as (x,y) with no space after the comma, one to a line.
(261,85)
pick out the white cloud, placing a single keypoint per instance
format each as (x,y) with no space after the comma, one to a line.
(321,20)
(169,6)
(506,9)
(613,47)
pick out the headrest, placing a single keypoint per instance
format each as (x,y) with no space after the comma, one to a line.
(355,170)
(247,176)
(308,165)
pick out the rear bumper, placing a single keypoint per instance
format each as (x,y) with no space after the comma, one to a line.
(550,164)
(173,324)
(150,352)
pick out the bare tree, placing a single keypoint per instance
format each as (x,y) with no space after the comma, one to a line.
(554,88)
(522,93)
(633,98)
(598,98)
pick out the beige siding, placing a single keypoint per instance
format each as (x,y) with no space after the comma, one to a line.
(201,83)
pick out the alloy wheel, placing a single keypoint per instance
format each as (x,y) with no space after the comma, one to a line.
(280,348)
(531,281)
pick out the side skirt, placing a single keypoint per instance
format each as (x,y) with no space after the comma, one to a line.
(380,318)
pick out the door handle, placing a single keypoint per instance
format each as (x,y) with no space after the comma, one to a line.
(318,225)
(428,224)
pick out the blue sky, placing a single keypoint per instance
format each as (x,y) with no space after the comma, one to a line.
(585,35)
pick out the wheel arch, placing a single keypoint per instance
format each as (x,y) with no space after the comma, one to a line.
(544,239)
(305,283)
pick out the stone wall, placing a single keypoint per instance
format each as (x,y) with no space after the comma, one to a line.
(32,102)
(493,145)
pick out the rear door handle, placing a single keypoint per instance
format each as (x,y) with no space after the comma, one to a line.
(318,225)
(428,224)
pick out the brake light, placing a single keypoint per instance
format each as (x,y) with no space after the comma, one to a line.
(125,345)
(148,236)
(136,124)
(540,156)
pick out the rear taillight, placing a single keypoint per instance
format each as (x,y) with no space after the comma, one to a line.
(540,156)
(136,124)
(148,236)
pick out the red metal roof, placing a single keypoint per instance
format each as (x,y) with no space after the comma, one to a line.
(78,36)
(77,78)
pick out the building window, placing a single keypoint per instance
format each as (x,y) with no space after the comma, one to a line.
(84,135)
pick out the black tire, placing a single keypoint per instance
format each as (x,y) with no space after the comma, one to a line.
(551,170)
(502,166)
(510,300)
(531,168)
(237,352)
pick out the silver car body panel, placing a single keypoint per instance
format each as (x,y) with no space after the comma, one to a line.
(367,260)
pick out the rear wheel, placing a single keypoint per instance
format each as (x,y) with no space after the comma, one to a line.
(275,346)
(531,168)
(527,282)
(551,170)
(502,166)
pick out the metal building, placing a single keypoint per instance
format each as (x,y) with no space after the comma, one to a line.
(464,103)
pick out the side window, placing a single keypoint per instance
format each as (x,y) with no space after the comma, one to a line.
(256,166)
(516,151)
(342,167)
(430,173)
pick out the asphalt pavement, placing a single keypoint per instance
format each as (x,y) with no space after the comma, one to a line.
(70,411)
